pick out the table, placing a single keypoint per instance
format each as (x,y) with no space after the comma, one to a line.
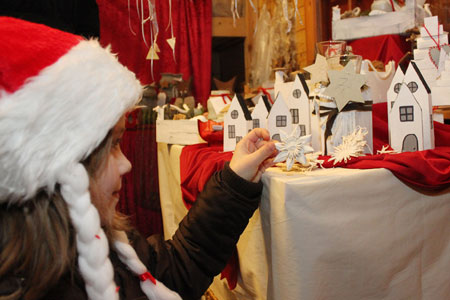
(332,234)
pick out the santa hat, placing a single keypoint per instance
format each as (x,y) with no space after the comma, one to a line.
(59,96)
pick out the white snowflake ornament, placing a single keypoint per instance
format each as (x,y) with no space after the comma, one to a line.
(293,148)
(385,150)
(352,146)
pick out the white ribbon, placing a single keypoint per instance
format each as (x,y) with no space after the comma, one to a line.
(286,15)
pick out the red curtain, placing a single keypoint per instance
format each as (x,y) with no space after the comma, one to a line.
(192,28)
(139,197)
(192,21)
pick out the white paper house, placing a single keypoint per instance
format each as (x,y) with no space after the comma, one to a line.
(237,123)
(405,133)
(299,105)
(280,86)
(407,111)
(279,118)
(217,101)
(260,112)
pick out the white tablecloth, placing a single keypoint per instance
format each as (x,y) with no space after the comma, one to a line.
(332,234)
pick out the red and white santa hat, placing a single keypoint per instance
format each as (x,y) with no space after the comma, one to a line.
(59,96)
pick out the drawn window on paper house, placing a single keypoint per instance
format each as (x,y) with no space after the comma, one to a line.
(294,113)
(413,86)
(234,114)
(410,143)
(255,123)
(407,113)
(302,130)
(231,132)
(397,87)
(238,139)
(297,93)
(281,121)
(276,137)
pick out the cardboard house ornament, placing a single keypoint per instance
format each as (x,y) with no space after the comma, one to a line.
(217,102)
(280,86)
(410,118)
(260,112)
(237,123)
(299,105)
(279,118)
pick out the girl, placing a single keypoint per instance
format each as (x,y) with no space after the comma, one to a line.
(62,105)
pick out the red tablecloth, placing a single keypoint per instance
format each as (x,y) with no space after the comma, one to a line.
(428,170)
(383,48)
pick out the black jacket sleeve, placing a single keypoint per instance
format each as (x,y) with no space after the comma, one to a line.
(206,237)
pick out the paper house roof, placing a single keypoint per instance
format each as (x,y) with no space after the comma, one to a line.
(280,86)
(237,123)
(260,112)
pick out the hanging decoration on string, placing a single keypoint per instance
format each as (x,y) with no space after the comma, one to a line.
(152,31)
(234,11)
(286,15)
(297,13)
(172,40)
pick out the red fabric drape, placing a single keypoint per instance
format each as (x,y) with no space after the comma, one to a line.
(139,197)
(197,164)
(383,48)
(192,27)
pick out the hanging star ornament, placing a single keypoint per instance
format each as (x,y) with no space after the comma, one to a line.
(345,86)
(318,70)
(293,148)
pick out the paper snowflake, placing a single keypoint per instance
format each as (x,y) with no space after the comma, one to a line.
(385,150)
(293,148)
(352,146)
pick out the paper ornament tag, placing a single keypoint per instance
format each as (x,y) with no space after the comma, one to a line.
(172,42)
(435,54)
(442,58)
(152,55)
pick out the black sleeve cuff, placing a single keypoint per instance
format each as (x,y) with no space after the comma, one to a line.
(240,185)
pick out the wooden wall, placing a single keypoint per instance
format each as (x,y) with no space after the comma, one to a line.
(306,33)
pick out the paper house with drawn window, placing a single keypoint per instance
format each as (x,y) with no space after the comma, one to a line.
(279,118)
(410,118)
(299,105)
(260,112)
(237,123)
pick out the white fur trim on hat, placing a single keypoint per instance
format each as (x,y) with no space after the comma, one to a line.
(60,116)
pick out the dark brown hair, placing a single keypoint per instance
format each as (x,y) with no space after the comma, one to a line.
(37,240)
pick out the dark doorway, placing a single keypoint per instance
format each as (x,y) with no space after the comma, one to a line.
(228,60)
